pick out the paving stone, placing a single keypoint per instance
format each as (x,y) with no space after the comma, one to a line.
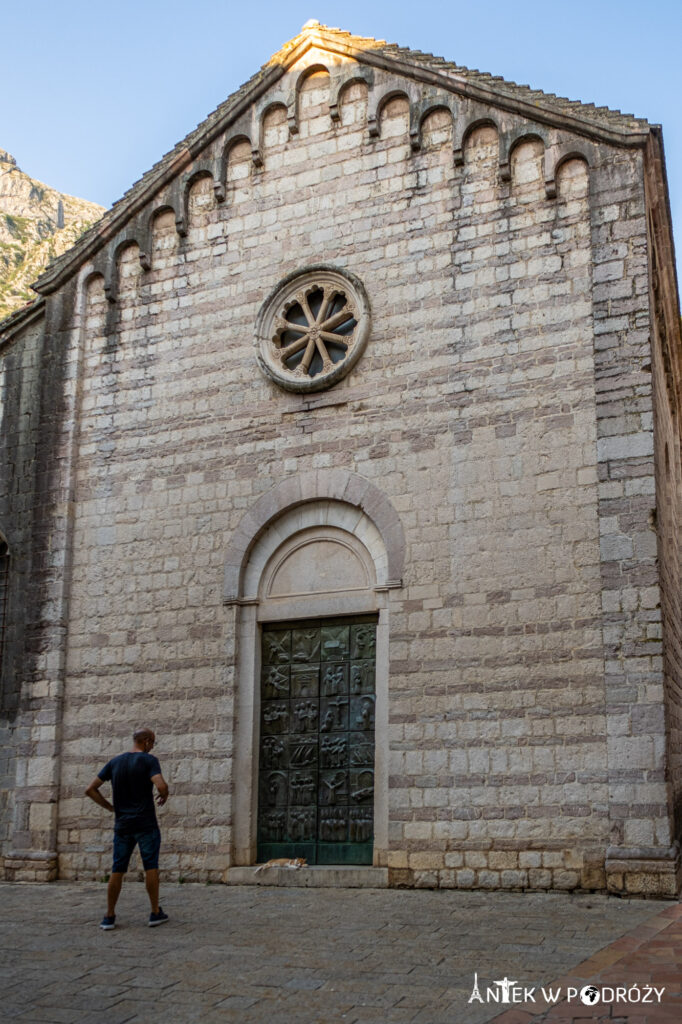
(267,954)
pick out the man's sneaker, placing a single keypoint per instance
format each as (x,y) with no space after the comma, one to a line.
(159,918)
(107,923)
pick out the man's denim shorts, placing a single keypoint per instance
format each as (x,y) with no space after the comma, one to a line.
(125,842)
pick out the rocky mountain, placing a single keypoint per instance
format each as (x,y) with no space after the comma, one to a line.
(36,224)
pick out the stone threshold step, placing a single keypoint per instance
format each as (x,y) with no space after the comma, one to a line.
(315,876)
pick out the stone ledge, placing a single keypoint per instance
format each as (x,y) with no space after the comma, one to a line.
(315,876)
(29,866)
(644,871)
(661,853)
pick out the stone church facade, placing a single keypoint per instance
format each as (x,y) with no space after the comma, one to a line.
(345,452)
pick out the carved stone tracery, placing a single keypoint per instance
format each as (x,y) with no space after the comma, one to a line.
(313,328)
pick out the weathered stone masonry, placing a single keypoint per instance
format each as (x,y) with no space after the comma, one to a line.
(505,453)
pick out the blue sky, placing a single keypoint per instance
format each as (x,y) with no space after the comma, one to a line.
(93,94)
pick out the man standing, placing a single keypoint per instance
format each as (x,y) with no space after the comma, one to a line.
(133,776)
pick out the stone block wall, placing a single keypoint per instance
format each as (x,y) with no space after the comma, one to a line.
(20,383)
(502,408)
(33,519)
(666,356)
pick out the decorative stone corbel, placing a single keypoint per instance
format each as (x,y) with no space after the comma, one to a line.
(343,75)
(381,91)
(109,272)
(292,118)
(550,187)
(239,132)
(467,115)
(176,201)
(510,137)
(558,153)
(420,110)
(204,168)
(287,100)
(144,241)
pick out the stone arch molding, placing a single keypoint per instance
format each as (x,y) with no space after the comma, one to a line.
(322,557)
(273,572)
(323,504)
(211,158)
(294,569)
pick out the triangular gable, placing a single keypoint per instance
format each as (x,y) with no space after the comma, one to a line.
(428,82)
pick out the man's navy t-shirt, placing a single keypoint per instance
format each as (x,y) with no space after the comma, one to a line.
(131,780)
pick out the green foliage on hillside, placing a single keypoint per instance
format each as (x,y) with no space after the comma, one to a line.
(30,235)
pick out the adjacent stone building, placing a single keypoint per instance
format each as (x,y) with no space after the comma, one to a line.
(345,452)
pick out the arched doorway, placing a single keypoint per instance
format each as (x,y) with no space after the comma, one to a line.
(311,740)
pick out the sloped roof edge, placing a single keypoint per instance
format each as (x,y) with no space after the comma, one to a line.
(19,319)
(164,171)
(601,123)
(598,123)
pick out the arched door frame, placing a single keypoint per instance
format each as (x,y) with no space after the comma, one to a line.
(323,501)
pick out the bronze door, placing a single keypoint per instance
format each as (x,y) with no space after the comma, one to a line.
(316,767)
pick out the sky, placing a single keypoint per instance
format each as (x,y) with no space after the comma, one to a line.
(94,94)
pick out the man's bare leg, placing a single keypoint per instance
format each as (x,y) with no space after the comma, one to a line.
(151,880)
(113,891)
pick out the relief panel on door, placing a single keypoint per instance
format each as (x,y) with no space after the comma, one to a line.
(316,766)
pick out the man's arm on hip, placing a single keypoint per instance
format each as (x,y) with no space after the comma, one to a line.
(162,787)
(93,792)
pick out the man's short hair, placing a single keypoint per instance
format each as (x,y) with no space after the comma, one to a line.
(140,735)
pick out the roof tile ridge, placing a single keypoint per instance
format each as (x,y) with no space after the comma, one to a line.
(506,83)
(334,30)
(17,316)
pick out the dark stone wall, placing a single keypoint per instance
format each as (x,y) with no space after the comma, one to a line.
(666,365)
(32,373)
(19,434)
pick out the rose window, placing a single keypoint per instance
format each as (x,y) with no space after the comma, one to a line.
(313,329)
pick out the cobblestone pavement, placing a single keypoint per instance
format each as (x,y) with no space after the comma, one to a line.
(297,956)
(649,955)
